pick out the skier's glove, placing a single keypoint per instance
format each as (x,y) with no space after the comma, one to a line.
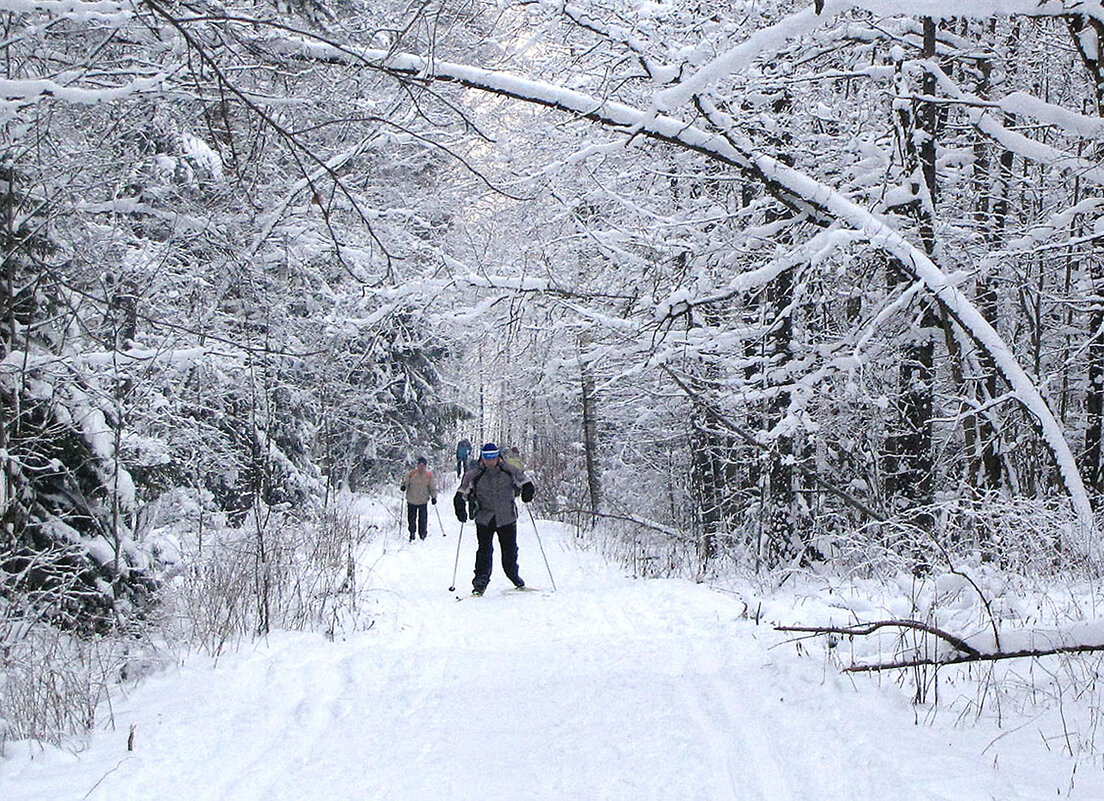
(434,499)
(460,507)
(528,491)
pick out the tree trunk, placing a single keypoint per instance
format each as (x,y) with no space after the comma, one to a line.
(1091,467)
(780,501)
(990,212)
(712,457)
(590,438)
(1086,33)
(909,459)
(782,542)
(705,481)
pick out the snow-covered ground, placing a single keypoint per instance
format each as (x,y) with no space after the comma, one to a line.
(609,688)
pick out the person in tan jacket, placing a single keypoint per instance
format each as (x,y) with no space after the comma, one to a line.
(420,488)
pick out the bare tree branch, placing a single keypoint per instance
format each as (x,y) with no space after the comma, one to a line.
(967,653)
(869,628)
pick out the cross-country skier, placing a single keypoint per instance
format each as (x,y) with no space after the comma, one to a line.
(489,489)
(463,452)
(420,488)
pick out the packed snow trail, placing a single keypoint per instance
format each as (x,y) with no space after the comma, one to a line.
(608,689)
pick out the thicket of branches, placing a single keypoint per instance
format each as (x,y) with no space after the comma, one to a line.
(842,267)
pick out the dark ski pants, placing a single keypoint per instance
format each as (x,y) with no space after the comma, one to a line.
(417,517)
(484,556)
(460,463)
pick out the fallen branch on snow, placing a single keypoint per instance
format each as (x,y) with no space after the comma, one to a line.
(967,653)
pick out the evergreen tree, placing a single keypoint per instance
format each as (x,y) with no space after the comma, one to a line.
(66,551)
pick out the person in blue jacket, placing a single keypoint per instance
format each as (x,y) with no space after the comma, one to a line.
(463,452)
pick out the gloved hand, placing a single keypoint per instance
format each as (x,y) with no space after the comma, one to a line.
(528,491)
(433,500)
(460,507)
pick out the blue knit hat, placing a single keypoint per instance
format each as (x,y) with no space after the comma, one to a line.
(489,451)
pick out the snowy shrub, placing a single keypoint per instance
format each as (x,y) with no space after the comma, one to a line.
(70,552)
(1027,603)
(210,595)
(276,571)
(646,549)
(1032,536)
(54,683)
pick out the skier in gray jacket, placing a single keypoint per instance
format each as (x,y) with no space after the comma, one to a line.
(489,489)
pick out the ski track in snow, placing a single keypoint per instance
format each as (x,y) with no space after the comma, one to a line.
(609,688)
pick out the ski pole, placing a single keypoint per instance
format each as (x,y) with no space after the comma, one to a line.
(439,523)
(541,544)
(457,565)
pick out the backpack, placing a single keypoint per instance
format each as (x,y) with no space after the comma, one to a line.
(473,501)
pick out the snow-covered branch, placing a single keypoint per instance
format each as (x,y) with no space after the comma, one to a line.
(17,94)
(804,193)
(71,9)
(964,652)
(1017,143)
(773,38)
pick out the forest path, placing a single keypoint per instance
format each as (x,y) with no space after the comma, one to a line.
(609,688)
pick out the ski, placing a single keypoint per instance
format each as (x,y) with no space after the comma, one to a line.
(507,591)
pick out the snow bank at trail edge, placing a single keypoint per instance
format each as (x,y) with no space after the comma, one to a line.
(609,688)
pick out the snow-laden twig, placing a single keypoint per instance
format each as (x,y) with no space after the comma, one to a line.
(771,39)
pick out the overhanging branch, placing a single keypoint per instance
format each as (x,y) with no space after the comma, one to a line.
(800,191)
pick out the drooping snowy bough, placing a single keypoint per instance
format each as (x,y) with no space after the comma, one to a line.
(792,187)
(724,142)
